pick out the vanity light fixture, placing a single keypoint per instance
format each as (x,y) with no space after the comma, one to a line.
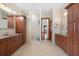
(5,8)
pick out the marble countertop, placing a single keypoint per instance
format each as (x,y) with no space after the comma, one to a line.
(8,35)
(62,34)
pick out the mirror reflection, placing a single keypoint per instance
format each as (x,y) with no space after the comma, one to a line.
(5,21)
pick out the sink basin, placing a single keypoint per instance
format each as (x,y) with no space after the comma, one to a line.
(6,35)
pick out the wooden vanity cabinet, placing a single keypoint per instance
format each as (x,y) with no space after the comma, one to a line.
(61,41)
(17,41)
(13,43)
(2,47)
(9,45)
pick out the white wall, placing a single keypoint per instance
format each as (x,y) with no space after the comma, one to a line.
(28,27)
(46,14)
(33,26)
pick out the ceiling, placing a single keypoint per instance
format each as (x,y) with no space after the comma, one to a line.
(43,6)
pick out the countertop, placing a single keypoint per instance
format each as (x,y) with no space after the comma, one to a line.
(8,35)
(62,34)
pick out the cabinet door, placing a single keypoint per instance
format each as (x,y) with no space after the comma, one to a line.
(70,47)
(17,41)
(13,43)
(76,44)
(70,41)
(76,30)
(20,40)
(65,44)
(10,22)
(57,40)
(21,27)
(77,20)
(9,46)
(2,47)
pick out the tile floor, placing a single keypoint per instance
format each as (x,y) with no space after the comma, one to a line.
(39,48)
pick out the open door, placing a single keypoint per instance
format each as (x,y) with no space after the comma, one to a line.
(46,32)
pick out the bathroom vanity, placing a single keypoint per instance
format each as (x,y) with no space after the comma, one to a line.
(12,32)
(61,32)
(70,42)
(10,43)
(61,41)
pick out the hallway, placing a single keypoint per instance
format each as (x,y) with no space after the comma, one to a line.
(39,48)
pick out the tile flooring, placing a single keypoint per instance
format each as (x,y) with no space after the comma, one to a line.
(39,48)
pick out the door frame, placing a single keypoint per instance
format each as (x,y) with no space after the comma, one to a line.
(49,31)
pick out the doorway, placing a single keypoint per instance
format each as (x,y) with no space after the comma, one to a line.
(46,32)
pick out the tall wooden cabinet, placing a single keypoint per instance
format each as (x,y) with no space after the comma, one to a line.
(73,29)
(10,21)
(20,24)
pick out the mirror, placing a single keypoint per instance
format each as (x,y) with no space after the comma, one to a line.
(61,23)
(4,23)
(64,23)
